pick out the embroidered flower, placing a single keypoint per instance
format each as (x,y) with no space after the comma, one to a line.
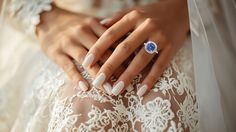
(158,113)
(188,113)
(174,128)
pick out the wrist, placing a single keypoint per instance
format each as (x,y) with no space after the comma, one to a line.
(54,18)
(46,18)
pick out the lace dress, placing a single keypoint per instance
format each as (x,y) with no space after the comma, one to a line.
(37,96)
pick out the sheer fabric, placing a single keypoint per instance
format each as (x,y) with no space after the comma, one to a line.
(36,95)
(214,50)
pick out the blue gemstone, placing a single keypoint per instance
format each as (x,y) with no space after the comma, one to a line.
(151,46)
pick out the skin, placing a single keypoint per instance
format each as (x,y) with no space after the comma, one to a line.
(66,37)
(166,23)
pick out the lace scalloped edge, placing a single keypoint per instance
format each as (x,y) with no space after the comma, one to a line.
(27,12)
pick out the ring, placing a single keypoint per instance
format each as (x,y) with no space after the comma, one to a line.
(151,47)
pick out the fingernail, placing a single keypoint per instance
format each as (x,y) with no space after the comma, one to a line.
(142,90)
(118,88)
(83,86)
(98,81)
(104,21)
(130,88)
(107,86)
(88,60)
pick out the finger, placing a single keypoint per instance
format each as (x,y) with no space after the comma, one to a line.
(136,66)
(156,71)
(121,53)
(96,26)
(109,37)
(84,35)
(116,17)
(71,70)
(77,52)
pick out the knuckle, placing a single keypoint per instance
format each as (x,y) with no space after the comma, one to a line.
(52,52)
(81,28)
(90,20)
(79,57)
(135,14)
(68,67)
(109,68)
(110,34)
(96,50)
(125,47)
(73,31)
(150,23)
(66,42)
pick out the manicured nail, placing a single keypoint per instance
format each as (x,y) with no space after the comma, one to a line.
(107,86)
(83,86)
(104,21)
(130,88)
(88,60)
(118,88)
(142,90)
(99,80)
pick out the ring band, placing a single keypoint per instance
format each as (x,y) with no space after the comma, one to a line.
(151,47)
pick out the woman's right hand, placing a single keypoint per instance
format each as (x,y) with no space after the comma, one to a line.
(65,36)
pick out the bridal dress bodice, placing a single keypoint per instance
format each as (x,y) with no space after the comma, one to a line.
(37,96)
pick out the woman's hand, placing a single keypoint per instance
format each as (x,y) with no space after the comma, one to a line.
(165,23)
(66,37)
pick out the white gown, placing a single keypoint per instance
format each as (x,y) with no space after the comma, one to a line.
(35,94)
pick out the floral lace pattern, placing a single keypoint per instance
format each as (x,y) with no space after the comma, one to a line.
(171,106)
(27,12)
(54,105)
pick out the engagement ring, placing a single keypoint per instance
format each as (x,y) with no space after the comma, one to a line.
(151,47)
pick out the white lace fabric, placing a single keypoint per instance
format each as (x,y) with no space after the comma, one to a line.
(56,106)
(27,12)
(52,104)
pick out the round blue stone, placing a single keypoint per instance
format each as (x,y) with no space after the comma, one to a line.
(151,47)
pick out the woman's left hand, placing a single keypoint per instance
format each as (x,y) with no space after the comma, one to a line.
(164,23)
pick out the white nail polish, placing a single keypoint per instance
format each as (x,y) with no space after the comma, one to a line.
(99,80)
(130,88)
(88,60)
(107,86)
(118,88)
(104,21)
(142,90)
(83,86)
